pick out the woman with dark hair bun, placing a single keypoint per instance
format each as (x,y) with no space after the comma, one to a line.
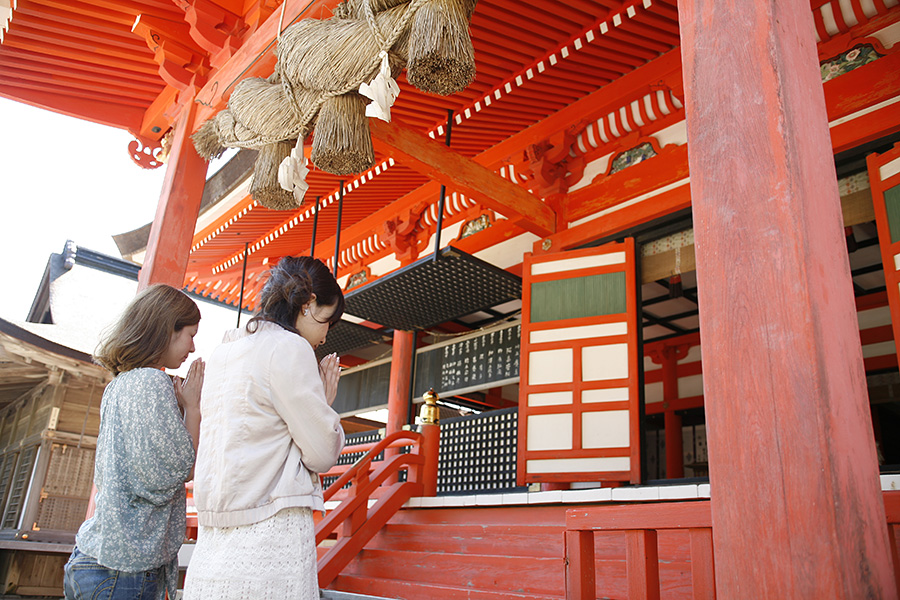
(268,431)
(145,453)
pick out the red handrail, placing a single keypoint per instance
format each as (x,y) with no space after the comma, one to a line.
(351,504)
(640,523)
(414,439)
(360,522)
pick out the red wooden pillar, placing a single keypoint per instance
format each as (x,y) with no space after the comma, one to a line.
(796,504)
(176,214)
(674,442)
(401,365)
(398,393)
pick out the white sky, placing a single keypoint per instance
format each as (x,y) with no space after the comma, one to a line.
(62,178)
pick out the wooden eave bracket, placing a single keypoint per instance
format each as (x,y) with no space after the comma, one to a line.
(436,161)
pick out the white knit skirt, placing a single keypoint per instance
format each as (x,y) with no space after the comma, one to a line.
(274,559)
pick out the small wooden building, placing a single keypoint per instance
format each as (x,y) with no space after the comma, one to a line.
(49,421)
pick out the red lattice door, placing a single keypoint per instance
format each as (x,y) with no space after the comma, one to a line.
(884,178)
(578,386)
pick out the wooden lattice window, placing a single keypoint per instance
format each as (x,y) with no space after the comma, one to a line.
(19,487)
(67,488)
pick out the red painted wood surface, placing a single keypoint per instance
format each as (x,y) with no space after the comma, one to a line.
(862,88)
(678,198)
(168,248)
(674,440)
(892,508)
(580,574)
(353,520)
(703,573)
(442,164)
(509,552)
(398,392)
(614,517)
(784,386)
(642,564)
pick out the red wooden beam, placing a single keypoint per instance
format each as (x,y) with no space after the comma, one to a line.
(581,579)
(642,564)
(168,248)
(615,517)
(398,395)
(703,576)
(441,164)
(96,110)
(784,383)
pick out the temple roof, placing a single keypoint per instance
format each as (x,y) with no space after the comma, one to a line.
(557,84)
(532,59)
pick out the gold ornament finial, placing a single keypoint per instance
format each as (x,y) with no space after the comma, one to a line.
(430,409)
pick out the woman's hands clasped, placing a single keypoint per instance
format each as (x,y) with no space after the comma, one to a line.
(187,390)
(330,372)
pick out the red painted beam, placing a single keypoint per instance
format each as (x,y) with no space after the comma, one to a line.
(581,570)
(96,110)
(642,564)
(784,384)
(703,575)
(168,248)
(398,392)
(442,164)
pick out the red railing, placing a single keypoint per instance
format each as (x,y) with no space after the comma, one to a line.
(640,522)
(192,524)
(353,521)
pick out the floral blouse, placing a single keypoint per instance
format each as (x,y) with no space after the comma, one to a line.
(144,456)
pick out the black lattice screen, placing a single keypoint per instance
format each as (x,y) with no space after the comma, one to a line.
(478,453)
(429,292)
(354,439)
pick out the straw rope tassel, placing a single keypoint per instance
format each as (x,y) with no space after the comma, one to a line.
(265,188)
(322,67)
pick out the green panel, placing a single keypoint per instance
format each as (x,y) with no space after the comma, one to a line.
(578,297)
(892,205)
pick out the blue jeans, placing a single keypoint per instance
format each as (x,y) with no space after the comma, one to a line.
(85,579)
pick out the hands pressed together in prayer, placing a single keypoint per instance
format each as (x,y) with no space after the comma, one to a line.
(330,372)
(187,390)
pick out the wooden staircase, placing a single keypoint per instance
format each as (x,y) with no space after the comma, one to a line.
(353,523)
(462,554)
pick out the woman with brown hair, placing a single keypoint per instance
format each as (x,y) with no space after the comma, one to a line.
(145,453)
(268,431)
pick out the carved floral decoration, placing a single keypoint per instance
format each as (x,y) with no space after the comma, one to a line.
(357,279)
(474,226)
(845,62)
(631,157)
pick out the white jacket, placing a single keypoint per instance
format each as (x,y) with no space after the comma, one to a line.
(266,429)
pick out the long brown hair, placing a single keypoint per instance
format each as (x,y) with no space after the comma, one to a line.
(141,335)
(291,284)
